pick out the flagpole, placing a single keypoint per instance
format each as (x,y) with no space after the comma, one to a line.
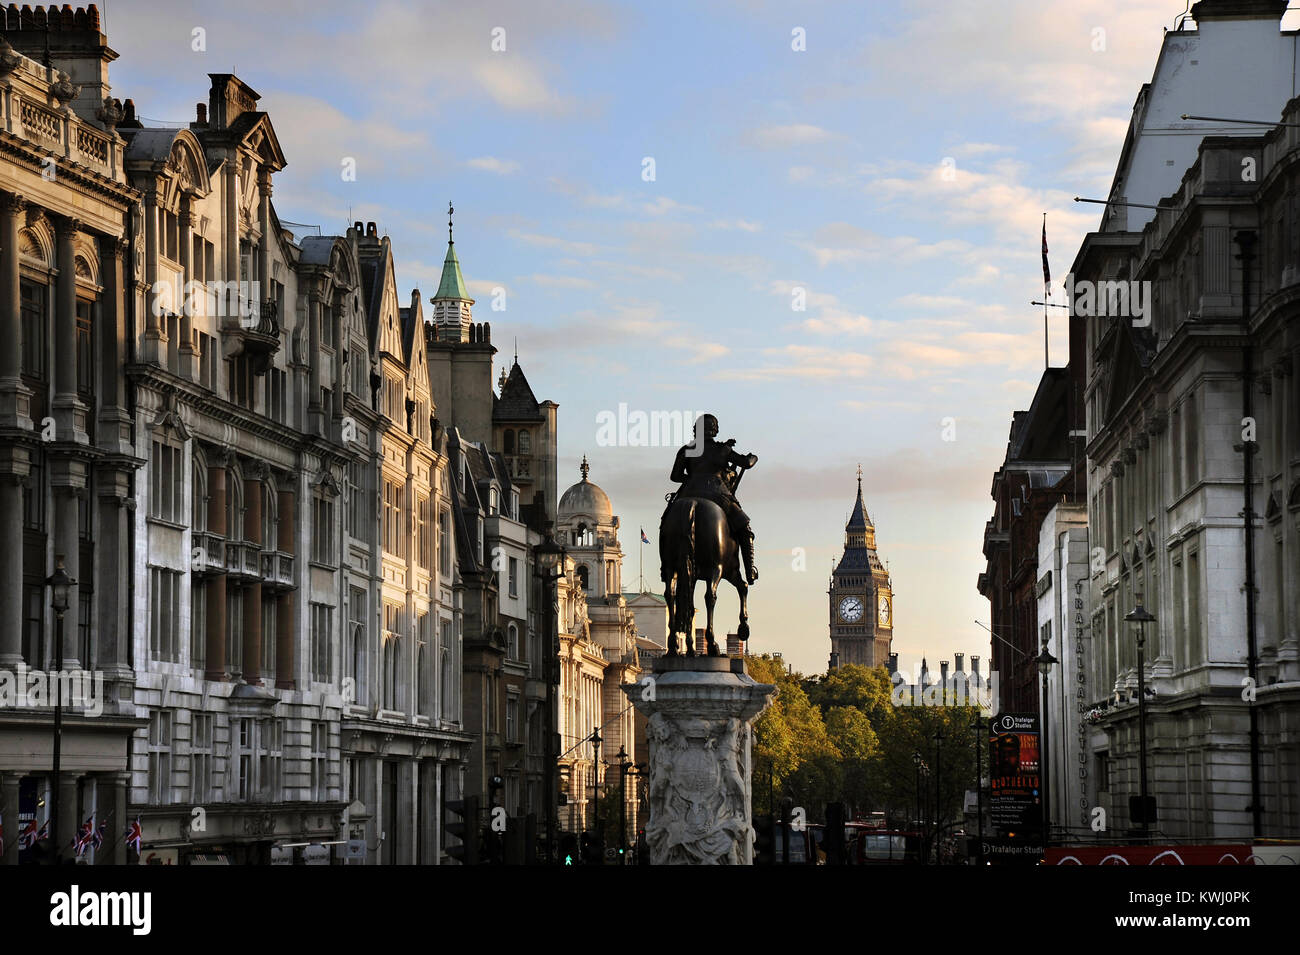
(1047,293)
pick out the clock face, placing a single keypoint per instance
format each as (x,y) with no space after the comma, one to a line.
(851,609)
(884,610)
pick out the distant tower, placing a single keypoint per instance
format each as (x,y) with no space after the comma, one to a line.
(861,597)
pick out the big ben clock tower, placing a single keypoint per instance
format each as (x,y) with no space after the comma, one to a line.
(861,598)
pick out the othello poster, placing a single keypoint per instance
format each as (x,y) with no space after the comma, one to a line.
(1015,807)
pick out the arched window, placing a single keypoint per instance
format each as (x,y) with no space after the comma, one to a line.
(198,499)
(582,576)
(512,642)
(525,442)
(270,520)
(494,500)
(508,441)
(234,506)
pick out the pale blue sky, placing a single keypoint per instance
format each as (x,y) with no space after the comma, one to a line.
(774,168)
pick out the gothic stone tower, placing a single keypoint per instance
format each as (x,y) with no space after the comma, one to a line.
(861,598)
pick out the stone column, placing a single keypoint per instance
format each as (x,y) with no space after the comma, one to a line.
(189,367)
(284,612)
(699,736)
(9,812)
(113,619)
(65,332)
(216,609)
(69,820)
(153,345)
(117,829)
(314,411)
(13,469)
(264,243)
(114,425)
(253,591)
(14,395)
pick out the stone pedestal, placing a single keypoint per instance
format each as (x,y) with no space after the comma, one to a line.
(701,712)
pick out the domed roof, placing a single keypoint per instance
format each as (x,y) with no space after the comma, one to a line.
(586,498)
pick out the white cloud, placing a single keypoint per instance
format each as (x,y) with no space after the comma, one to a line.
(502,167)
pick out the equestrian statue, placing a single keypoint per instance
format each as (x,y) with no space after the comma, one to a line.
(704,535)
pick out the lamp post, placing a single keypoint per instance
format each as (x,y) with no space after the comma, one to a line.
(623,762)
(595,781)
(1045,662)
(550,558)
(60,585)
(938,798)
(916,765)
(978,727)
(1141,616)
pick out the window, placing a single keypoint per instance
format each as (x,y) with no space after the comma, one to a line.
(322,539)
(33,307)
(320,740)
(444,543)
(270,759)
(1193,608)
(85,354)
(508,442)
(201,758)
(321,620)
(525,442)
(394,536)
(512,642)
(514,577)
(512,718)
(355,654)
(164,598)
(358,525)
(160,756)
(444,669)
(166,480)
(391,673)
(268,640)
(235,632)
(493,720)
(198,624)
(422,656)
(422,533)
(34,492)
(241,382)
(244,774)
(275,395)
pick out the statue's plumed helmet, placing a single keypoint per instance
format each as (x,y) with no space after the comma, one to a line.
(708,423)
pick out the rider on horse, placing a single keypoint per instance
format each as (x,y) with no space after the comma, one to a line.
(703,468)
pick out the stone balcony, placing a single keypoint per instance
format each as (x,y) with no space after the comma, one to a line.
(208,553)
(242,560)
(277,570)
(253,331)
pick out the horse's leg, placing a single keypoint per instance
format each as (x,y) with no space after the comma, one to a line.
(685,606)
(742,591)
(670,600)
(711,598)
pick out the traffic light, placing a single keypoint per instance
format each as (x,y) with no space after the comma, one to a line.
(569,849)
(465,828)
(764,846)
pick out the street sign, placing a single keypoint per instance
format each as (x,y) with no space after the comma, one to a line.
(611,854)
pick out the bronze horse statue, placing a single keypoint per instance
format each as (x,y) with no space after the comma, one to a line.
(696,544)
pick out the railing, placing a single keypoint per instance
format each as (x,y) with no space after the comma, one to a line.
(242,558)
(209,552)
(41,123)
(92,146)
(520,465)
(277,568)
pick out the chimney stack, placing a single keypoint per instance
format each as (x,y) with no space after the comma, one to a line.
(960,658)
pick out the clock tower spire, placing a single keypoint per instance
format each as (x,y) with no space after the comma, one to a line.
(861,597)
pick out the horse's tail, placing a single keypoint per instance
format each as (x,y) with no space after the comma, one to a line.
(688,558)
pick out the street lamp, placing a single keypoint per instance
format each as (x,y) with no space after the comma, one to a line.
(1045,663)
(624,761)
(1141,616)
(916,764)
(60,586)
(938,797)
(595,781)
(978,727)
(549,560)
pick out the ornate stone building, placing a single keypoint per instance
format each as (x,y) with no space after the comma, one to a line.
(72,250)
(861,596)
(600,661)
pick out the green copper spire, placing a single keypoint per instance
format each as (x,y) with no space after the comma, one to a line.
(453,283)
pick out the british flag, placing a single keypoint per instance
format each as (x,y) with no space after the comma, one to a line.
(97,839)
(29,835)
(133,835)
(84,835)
